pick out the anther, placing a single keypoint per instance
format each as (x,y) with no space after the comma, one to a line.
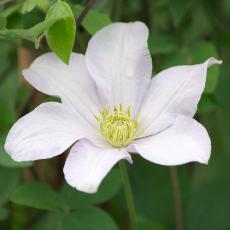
(117,126)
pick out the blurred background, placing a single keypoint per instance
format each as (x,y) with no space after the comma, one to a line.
(34,195)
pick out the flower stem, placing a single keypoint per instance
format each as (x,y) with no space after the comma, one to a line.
(128,194)
(85,11)
(176,198)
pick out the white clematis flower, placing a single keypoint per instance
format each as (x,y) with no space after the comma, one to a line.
(111,107)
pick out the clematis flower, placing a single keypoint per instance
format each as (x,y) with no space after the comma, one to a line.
(111,107)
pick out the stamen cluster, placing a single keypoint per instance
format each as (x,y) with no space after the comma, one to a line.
(117,126)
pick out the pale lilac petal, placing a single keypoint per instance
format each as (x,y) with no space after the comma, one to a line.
(119,61)
(71,83)
(87,165)
(174,91)
(45,132)
(185,141)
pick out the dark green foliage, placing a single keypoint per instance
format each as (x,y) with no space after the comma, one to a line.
(181,32)
(38,195)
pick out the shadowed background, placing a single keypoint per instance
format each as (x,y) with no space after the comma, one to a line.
(34,195)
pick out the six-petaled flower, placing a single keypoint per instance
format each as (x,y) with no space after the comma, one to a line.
(111,107)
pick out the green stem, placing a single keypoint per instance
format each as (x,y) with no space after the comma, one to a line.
(129,195)
(176,198)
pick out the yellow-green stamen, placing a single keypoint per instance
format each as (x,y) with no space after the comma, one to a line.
(117,126)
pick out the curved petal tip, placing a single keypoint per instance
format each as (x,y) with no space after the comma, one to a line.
(212,61)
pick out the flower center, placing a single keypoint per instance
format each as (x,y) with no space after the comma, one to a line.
(117,126)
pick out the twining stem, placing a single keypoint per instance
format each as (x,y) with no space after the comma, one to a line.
(85,12)
(129,195)
(176,198)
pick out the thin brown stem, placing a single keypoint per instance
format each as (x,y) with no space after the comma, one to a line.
(176,198)
(85,12)
(34,173)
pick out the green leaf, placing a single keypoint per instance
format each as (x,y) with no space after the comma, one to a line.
(9,179)
(153,194)
(93,21)
(209,206)
(15,21)
(161,44)
(108,189)
(148,225)
(88,219)
(42,4)
(199,27)
(207,103)
(38,195)
(2,22)
(5,55)
(222,90)
(48,221)
(61,35)
(31,33)
(8,90)
(218,15)
(178,9)
(8,115)
(6,161)
(12,9)
(3,213)
(28,6)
